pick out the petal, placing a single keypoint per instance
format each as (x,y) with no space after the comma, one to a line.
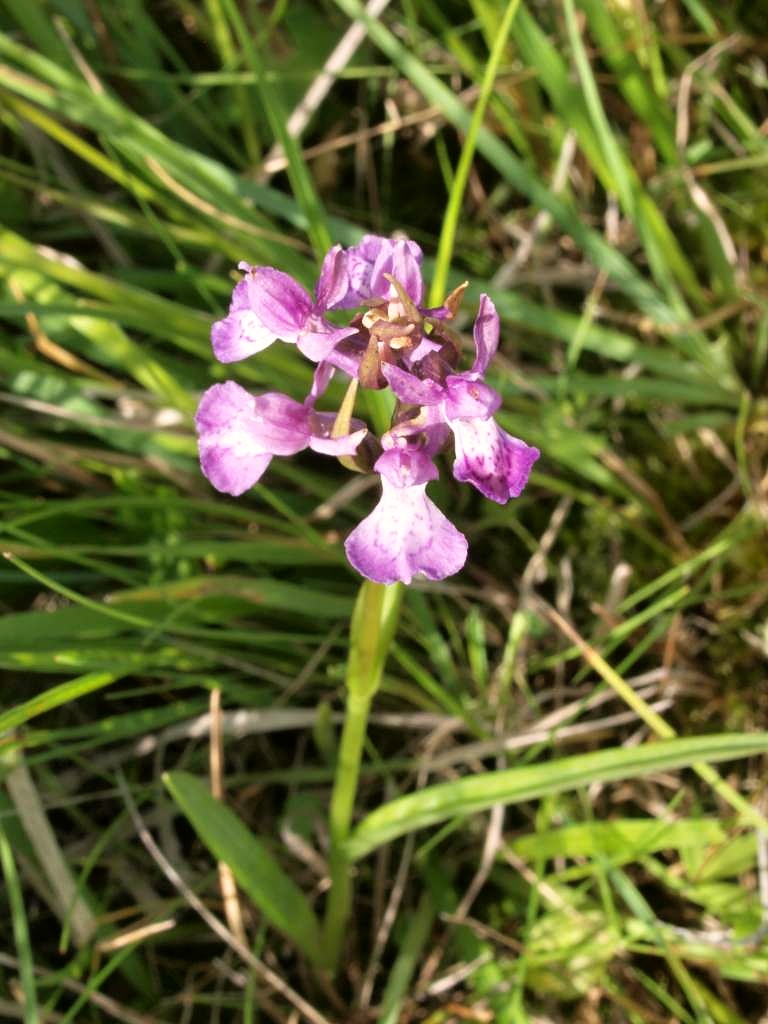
(321,378)
(347,444)
(486,334)
(426,346)
(490,459)
(467,397)
(409,388)
(280,425)
(333,283)
(427,431)
(401,260)
(240,298)
(279,302)
(370,259)
(359,261)
(239,335)
(230,472)
(404,467)
(437,313)
(346,356)
(406,534)
(230,458)
(321,440)
(318,338)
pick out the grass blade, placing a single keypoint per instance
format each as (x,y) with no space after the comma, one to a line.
(20,930)
(464,166)
(480,792)
(54,698)
(514,170)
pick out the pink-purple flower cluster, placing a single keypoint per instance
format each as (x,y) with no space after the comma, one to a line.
(391,341)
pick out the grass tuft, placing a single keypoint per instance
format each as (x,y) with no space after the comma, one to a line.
(540,833)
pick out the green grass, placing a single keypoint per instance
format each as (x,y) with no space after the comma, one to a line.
(540,831)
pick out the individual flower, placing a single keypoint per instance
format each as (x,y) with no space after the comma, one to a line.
(486,456)
(268,304)
(371,263)
(239,433)
(406,534)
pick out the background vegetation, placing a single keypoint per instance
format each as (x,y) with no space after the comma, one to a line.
(615,210)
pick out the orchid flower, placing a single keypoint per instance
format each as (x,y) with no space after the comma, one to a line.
(391,341)
(268,304)
(487,457)
(239,433)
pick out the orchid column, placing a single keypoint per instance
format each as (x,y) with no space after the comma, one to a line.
(391,341)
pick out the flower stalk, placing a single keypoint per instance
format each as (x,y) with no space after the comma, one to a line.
(404,357)
(372,629)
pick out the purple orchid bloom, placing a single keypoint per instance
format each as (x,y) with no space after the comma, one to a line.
(393,341)
(487,457)
(239,433)
(268,304)
(368,265)
(406,533)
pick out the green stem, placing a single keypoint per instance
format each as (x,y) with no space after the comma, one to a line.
(340,821)
(371,630)
(348,765)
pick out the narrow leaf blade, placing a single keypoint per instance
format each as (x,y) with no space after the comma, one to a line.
(515,785)
(256,871)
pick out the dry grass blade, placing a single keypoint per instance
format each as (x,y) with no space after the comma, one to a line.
(69,904)
(232,910)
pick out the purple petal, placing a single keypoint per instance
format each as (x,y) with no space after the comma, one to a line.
(426,432)
(321,378)
(229,457)
(281,425)
(370,259)
(406,534)
(404,467)
(321,441)
(267,304)
(486,334)
(359,261)
(426,346)
(239,335)
(467,397)
(333,283)
(401,260)
(490,459)
(318,339)
(279,302)
(409,388)
(438,313)
(230,472)
(346,356)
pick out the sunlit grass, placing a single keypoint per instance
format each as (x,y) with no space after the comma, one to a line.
(614,209)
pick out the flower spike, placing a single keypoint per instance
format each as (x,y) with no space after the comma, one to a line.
(390,341)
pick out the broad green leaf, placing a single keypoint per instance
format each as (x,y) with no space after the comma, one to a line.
(279,899)
(480,792)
